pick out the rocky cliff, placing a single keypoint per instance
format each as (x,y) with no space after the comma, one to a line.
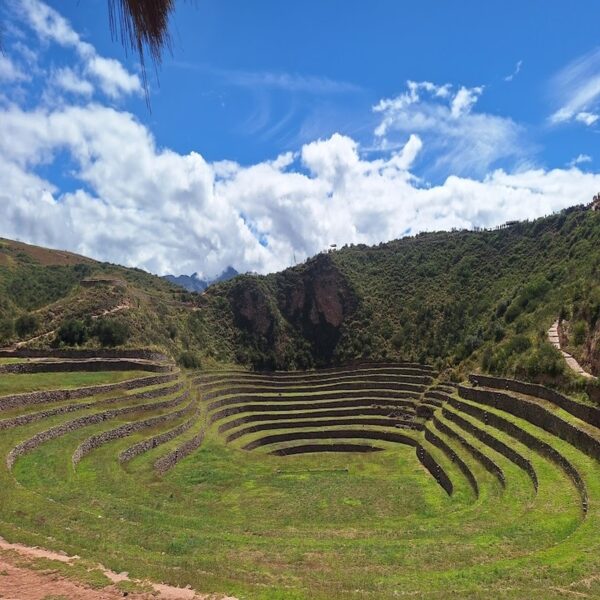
(302,308)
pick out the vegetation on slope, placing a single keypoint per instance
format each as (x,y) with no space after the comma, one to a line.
(456,299)
(460,300)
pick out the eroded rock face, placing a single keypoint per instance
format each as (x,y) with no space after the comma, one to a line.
(251,308)
(301,307)
(316,302)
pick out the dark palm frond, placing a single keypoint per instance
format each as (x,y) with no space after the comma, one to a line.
(142,25)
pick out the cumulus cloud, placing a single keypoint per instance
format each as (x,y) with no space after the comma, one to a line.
(125,199)
(9,72)
(576,90)
(69,81)
(112,77)
(154,208)
(465,141)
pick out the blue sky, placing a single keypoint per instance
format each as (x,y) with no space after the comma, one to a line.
(277,128)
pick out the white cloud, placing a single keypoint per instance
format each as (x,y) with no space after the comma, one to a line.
(580,160)
(9,72)
(515,72)
(66,79)
(464,100)
(464,141)
(587,118)
(112,77)
(168,212)
(135,203)
(114,80)
(576,90)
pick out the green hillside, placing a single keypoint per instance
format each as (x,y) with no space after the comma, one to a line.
(459,300)
(456,299)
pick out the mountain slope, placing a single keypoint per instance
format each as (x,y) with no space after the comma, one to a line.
(459,299)
(446,297)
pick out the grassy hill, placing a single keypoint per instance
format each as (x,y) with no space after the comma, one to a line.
(459,300)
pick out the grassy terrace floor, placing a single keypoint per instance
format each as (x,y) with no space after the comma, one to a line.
(324,525)
(30,382)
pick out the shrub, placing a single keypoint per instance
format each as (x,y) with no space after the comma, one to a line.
(397,341)
(26,325)
(579,331)
(189,360)
(512,312)
(518,344)
(7,329)
(72,333)
(111,332)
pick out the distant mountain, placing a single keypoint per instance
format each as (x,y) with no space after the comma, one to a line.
(193,283)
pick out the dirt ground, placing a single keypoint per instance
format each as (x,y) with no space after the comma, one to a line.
(19,582)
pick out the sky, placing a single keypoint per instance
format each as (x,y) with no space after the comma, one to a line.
(273,129)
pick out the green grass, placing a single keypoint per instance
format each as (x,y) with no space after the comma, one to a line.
(13,383)
(306,527)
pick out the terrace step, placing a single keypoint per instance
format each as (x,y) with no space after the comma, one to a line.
(532,442)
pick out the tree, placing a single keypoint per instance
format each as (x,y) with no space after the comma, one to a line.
(26,324)
(72,333)
(111,332)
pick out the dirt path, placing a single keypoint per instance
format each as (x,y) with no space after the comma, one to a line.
(573,364)
(111,311)
(20,581)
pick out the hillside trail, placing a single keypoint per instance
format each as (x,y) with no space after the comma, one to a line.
(110,311)
(554,339)
(18,581)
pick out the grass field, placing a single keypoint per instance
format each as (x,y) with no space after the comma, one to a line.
(317,525)
(12,383)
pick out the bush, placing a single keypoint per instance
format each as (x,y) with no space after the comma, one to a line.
(579,331)
(7,329)
(512,312)
(518,344)
(26,325)
(189,360)
(111,332)
(397,341)
(72,333)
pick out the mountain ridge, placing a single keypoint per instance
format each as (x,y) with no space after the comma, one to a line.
(459,300)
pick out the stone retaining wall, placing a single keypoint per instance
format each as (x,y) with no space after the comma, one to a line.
(321,423)
(99,439)
(435,469)
(539,446)
(350,412)
(437,395)
(391,398)
(314,448)
(70,426)
(85,366)
(387,436)
(324,391)
(38,416)
(82,354)
(157,440)
(589,414)
(493,442)
(21,400)
(286,408)
(165,463)
(487,463)
(536,415)
(314,383)
(438,442)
